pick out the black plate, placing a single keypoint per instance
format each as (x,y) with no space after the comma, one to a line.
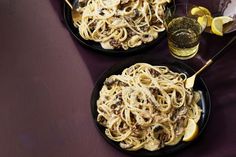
(205,102)
(96,46)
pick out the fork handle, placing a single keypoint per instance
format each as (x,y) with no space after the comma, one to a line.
(209,62)
(219,53)
(69,4)
(216,56)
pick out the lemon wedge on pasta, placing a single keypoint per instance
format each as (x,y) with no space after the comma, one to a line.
(191,131)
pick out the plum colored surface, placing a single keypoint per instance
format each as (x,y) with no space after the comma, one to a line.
(47,77)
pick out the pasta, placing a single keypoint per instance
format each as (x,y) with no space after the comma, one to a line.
(120,24)
(146,107)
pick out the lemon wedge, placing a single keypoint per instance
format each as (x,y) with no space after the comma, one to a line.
(217,27)
(209,20)
(202,20)
(200,11)
(205,21)
(217,24)
(191,131)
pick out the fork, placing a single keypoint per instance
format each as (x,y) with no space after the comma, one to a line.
(189,83)
(73,5)
(69,4)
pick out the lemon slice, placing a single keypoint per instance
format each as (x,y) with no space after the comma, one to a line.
(217,24)
(205,21)
(191,131)
(200,11)
(202,20)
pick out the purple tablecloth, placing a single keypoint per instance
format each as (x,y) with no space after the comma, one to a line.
(46,79)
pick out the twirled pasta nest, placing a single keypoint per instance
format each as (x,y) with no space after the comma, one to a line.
(146,107)
(120,24)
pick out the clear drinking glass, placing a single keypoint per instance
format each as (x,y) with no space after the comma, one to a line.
(183,31)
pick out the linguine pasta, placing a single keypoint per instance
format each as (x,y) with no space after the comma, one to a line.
(120,24)
(146,107)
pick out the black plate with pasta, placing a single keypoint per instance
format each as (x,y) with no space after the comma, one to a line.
(204,103)
(96,46)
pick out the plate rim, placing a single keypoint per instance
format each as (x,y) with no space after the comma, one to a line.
(164,151)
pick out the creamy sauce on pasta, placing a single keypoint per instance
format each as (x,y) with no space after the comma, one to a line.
(120,24)
(146,107)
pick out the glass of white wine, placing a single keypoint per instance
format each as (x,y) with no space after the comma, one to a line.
(183,31)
